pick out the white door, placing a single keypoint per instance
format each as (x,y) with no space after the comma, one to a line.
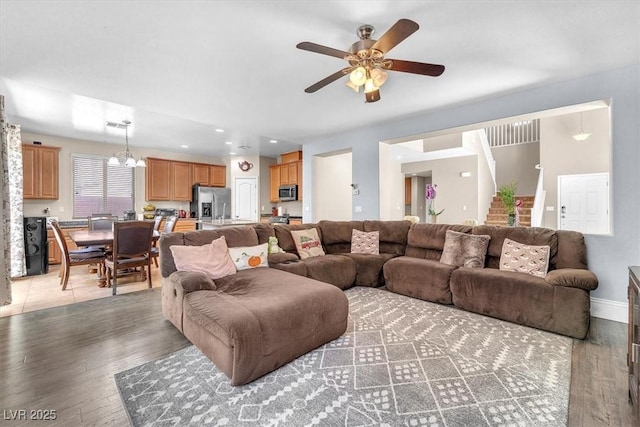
(583,202)
(246,199)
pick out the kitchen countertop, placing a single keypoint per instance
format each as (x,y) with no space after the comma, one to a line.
(290,216)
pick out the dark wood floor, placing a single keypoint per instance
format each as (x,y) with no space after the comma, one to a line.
(64,359)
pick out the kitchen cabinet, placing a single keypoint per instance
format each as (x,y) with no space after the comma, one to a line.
(209,175)
(172,180)
(40,172)
(295,221)
(299,181)
(286,174)
(158,179)
(291,157)
(274,182)
(181,181)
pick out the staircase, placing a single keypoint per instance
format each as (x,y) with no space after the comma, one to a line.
(498,215)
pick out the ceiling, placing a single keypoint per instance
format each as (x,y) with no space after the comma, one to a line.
(180,69)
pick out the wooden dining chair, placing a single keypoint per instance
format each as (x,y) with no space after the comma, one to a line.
(169,226)
(73,257)
(131,248)
(101,222)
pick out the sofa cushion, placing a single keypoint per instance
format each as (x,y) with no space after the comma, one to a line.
(523,258)
(535,236)
(336,235)
(235,236)
(363,242)
(260,319)
(393,235)
(573,278)
(572,250)
(369,268)
(461,249)
(264,231)
(307,243)
(523,299)
(419,278)
(339,270)
(191,281)
(247,257)
(211,259)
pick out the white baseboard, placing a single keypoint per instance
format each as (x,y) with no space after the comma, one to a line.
(610,310)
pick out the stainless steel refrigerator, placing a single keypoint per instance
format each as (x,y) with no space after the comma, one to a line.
(211,203)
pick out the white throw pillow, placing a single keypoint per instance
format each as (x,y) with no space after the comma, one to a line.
(246,257)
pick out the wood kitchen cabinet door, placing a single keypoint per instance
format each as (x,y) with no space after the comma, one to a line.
(274,183)
(217,176)
(181,181)
(200,173)
(299,181)
(40,172)
(158,179)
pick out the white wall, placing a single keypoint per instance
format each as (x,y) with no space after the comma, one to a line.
(391,206)
(608,256)
(265,185)
(456,195)
(517,163)
(333,201)
(486,185)
(557,146)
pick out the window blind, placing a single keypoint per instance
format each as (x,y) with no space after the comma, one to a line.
(100,188)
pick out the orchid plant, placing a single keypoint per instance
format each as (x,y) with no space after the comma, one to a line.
(430,196)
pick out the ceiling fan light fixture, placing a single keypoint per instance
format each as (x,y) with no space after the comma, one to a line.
(369,86)
(379,76)
(355,87)
(372,96)
(358,76)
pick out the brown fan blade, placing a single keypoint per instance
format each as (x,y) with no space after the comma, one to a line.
(317,48)
(433,70)
(332,78)
(394,35)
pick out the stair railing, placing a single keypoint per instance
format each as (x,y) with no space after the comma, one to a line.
(538,201)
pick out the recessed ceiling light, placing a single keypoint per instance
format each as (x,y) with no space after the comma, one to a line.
(232,153)
(228,142)
(184,146)
(219,130)
(273,141)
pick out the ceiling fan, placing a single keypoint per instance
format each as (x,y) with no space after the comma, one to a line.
(367,63)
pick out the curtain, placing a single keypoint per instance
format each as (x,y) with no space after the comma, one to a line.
(11,212)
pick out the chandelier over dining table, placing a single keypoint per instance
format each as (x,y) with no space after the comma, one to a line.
(126,157)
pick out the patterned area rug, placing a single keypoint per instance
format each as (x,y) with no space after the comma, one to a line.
(402,362)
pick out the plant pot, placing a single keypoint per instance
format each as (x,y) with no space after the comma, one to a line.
(511,220)
(433,219)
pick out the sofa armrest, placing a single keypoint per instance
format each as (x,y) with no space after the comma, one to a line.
(191,281)
(572,278)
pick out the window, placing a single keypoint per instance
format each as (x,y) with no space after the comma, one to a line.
(100,188)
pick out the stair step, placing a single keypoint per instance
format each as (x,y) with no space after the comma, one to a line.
(500,217)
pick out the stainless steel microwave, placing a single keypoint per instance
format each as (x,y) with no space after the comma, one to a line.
(287,193)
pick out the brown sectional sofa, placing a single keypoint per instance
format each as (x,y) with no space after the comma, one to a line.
(255,321)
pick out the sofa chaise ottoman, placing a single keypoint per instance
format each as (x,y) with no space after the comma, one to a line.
(254,321)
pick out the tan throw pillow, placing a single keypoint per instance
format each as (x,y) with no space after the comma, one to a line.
(212,259)
(465,250)
(363,242)
(523,258)
(307,243)
(246,257)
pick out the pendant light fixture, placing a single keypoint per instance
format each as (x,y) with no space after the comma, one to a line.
(125,158)
(582,135)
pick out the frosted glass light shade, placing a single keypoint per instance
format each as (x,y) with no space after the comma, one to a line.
(130,163)
(581,136)
(113,161)
(358,76)
(141,163)
(379,77)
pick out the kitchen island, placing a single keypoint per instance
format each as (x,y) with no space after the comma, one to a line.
(212,225)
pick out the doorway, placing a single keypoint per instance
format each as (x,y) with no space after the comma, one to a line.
(246,198)
(583,202)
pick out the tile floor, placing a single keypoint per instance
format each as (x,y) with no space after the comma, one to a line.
(44,291)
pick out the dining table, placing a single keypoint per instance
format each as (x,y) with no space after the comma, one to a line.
(83,238)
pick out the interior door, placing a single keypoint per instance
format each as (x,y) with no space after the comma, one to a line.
(246,200)
(583,202)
